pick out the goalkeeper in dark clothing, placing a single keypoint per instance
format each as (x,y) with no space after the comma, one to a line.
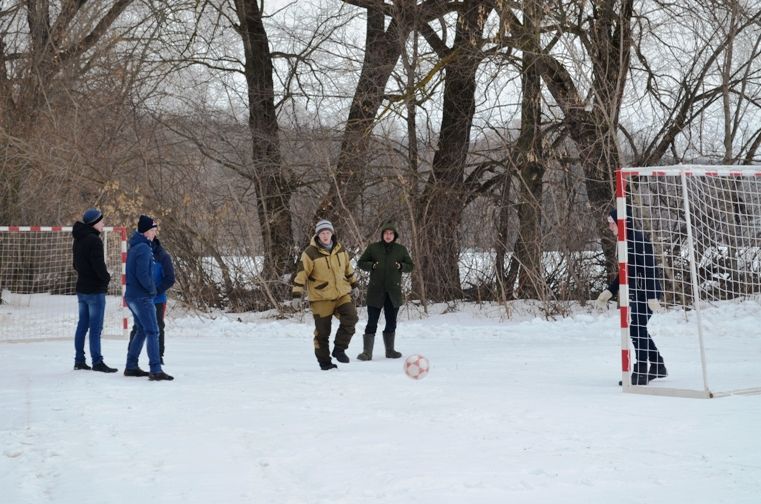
(644,291)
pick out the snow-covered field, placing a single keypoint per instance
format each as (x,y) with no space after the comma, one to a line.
(518,410)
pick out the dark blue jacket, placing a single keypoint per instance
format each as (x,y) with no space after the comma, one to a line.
(163,271)
(92,275)
(140,282)
(642,269)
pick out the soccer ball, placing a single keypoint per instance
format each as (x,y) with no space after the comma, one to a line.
(416,366)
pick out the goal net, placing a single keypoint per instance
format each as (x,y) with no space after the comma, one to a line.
(37,283)
(704,225)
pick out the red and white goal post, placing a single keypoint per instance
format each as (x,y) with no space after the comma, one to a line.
(37,283)
(704,223)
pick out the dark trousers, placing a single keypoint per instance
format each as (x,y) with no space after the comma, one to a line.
(373,314)
(323,312)
(160,311)
(644,346)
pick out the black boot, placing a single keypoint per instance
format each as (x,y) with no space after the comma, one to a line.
(160,376)
(340,355)
(81,365)
(388,340)
(101,366)
(327,366)
(639,374)
(369,342)
(657,370)
(135,372)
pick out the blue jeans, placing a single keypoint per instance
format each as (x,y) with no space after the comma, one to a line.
(147,331)
(92,308)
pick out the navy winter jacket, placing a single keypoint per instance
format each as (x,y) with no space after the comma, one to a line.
(163,271)
(92,275)
(642,269)
(140,282)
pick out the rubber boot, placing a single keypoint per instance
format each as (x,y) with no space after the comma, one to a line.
(369,342)
(388,340)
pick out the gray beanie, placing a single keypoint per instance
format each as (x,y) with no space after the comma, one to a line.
(322,225)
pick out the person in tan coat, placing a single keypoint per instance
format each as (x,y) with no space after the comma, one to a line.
(325,273)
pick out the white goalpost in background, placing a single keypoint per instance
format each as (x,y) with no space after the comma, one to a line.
(704,223)
(37,283)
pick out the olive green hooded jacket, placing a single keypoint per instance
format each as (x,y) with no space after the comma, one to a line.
(386,262)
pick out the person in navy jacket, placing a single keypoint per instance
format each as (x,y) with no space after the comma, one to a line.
(644,291)
(140,293)
(163,277)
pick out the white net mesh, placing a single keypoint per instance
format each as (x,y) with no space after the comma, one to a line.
(705,228)
(37,285)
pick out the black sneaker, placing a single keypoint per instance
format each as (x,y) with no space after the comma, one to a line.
(159,376)
(82,365)
(101,366)
(340,355)
(327,366)
(135,372)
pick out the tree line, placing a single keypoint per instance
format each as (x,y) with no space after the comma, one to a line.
(490,130)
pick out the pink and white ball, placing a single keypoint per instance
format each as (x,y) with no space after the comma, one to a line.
(416,366)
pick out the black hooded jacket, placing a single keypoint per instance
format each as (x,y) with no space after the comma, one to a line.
(92,275)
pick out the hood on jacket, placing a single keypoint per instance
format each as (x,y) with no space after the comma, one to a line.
(389,225)
(138,238)
(80,230)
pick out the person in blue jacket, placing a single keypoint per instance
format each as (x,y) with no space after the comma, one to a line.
(163,276)
(644,291)
(140,293)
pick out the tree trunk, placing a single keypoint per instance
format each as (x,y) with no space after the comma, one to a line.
(273,182)
(528,249)
(444,197)
(382,50)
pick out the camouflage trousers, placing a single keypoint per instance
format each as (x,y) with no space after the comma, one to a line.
(323,311)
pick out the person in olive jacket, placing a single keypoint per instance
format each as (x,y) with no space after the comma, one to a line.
(386,260)
(325,271)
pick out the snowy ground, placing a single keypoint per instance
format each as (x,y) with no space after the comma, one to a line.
(518,410)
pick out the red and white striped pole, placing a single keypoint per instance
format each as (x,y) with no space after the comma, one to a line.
(125,320)
(623,279)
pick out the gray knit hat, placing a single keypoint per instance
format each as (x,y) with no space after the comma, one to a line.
(322,225)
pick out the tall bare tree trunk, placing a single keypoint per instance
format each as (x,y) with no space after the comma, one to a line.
(594,126)
(444,197)
(530,155)
(273,182)
(383,47)
(382,50)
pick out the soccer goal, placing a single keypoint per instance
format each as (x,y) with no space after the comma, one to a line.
(704,224)
(37,283)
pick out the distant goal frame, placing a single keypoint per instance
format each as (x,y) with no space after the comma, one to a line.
(122,330)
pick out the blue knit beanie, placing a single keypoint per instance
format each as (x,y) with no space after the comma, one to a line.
(92,216)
